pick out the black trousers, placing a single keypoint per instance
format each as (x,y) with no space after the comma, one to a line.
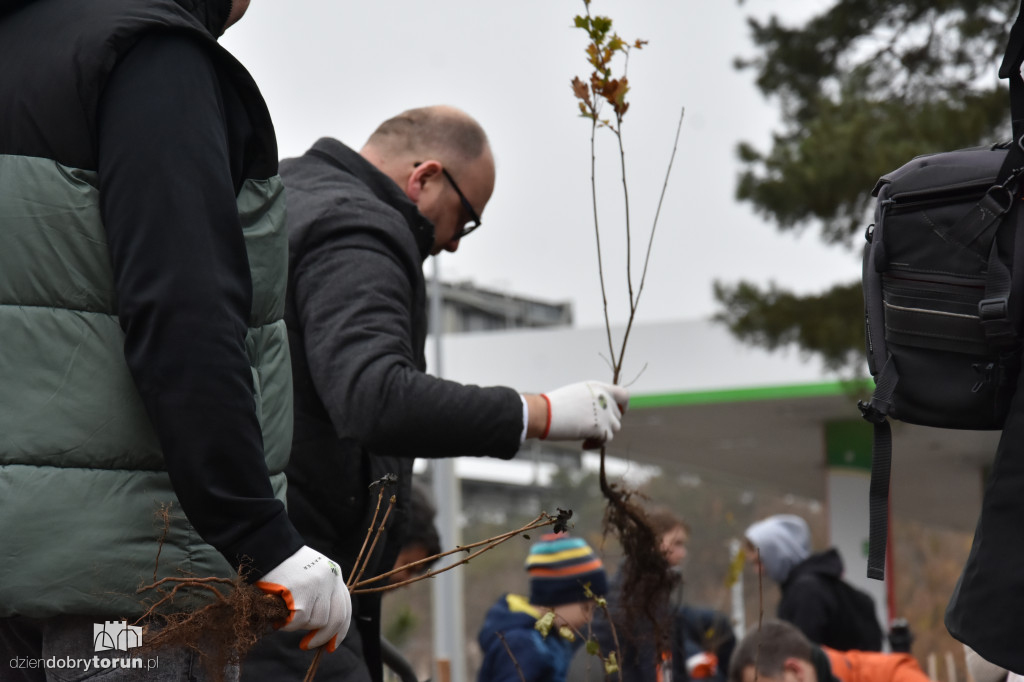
(278,658)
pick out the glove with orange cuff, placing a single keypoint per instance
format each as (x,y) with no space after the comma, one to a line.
(318,600)
(702,665)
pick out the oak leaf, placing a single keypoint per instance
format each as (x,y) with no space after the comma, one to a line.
(580,89)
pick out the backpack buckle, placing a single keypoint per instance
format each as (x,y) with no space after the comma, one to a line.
(1002,195)
(993,309)
(871,413)
(984,372)
(995,320)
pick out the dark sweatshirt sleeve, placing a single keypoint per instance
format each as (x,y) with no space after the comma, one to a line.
(354,294)
(184,291)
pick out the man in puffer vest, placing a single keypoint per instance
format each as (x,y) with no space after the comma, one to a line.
(143,355)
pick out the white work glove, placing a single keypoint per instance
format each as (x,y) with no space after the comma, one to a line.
(588,410)
(314,590)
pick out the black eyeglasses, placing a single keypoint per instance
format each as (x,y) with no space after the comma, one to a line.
(474,217)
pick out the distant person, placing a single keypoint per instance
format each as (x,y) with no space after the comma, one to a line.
(361,224)
(562,568)
(778,652)
(815,598)
(699,640)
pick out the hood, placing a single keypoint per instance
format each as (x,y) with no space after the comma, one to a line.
(213,14)
(827,563)
(784,541)
(510,612)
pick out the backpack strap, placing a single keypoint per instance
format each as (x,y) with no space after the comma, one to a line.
(994,308)
(971,231)
(1013,58)
(989,211)
(1014,55)
(876,412)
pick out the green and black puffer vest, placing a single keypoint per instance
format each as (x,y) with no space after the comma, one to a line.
(81,471)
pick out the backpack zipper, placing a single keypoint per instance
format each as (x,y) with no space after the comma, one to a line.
(929,311)
(937,196)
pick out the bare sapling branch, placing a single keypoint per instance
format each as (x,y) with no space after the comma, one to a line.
(311,671)
(373,545)
(383,484)
(612,659)
(760,614)
(164,514)
(235,613)
(635,301)
(363,558)
(661,200)
(544,519)
(357,586)
(504,642)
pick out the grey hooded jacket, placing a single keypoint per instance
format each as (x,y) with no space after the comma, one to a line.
(815,598)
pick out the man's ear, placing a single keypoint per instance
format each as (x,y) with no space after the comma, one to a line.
(423,172)
(802,671)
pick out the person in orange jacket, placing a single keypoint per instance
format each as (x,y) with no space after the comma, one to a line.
(778,652)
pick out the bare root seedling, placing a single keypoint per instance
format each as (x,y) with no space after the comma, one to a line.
(236,614)
(357,586)
(646,575)
(230,622)
(222,631)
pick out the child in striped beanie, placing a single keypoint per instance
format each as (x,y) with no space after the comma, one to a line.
(562,569)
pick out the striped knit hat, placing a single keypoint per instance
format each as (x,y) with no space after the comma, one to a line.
(559,567)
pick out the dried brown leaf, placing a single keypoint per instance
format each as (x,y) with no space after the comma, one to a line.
(580,89)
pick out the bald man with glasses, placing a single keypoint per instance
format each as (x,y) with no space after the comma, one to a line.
(360,225)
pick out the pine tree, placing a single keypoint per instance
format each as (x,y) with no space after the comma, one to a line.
(863,87)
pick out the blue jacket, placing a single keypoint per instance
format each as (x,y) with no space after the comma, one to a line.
(692,630)
(539,658)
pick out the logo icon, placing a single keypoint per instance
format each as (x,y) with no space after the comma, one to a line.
(603,402)
(334,567)
(116,635)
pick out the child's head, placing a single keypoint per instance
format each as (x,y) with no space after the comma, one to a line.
(775,651)
(562,568)
(672,531)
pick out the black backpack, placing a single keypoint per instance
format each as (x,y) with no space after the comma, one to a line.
(860,618)
(942,305)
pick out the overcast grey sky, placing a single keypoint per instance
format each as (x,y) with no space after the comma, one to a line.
(338,68)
